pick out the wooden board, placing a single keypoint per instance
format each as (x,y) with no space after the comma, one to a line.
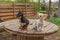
(7,17)
(6,14)
(11,9)
(13,25)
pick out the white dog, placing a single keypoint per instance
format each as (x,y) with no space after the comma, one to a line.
(38,25)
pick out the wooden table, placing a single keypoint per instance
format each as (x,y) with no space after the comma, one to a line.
(13,27)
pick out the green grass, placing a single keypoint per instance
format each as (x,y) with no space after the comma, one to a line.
(55,20)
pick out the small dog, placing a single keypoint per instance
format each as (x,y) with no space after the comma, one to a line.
(38,25)
(23,20)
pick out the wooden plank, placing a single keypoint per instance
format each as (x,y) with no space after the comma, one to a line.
(6,10)
(19,4)
(29,12)
(8,7)
(19,7)
(15,7)
(53,28)
(46,24)
(25,10)
(22,4)
(6,14)
(5,7)
(47,28)
(5,3)
(8,17)
(24,7)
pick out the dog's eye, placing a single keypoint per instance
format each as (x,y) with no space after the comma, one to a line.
(40,16)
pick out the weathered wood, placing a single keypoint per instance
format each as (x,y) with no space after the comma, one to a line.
(14,23)
(8,17)
(12,27)
(22,37)
(6,14)
(13,8)
(21,3)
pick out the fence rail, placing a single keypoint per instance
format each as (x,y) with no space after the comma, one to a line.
(10,9)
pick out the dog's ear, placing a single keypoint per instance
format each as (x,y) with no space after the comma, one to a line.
(45,16)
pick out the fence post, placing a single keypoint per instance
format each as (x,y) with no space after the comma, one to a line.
(13,9)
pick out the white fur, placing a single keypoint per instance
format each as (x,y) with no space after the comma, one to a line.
(39,22)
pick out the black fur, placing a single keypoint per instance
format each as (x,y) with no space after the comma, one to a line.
(23,18)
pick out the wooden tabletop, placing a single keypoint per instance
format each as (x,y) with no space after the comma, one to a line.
(13,25)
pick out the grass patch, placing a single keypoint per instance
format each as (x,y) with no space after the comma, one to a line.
(55,20)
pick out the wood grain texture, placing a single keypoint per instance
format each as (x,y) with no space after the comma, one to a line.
(13,8)
(12,27)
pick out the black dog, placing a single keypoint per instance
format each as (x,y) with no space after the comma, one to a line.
(23,20)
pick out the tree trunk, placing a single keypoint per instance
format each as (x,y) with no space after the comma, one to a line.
(39,2)
(59,9)
(49,9)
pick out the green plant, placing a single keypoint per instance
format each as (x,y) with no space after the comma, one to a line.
(37,7)
(55,20)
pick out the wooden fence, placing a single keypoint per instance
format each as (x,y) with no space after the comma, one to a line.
(8,10)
